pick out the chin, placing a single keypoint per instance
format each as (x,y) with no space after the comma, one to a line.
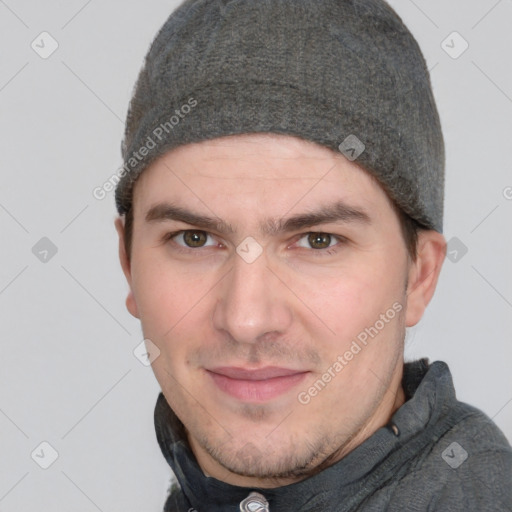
(267,456)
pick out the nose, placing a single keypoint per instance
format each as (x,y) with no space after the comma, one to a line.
(252,302)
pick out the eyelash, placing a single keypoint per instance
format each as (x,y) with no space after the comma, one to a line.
(168,237)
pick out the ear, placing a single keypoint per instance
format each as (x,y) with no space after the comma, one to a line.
(423,274)
(131,305)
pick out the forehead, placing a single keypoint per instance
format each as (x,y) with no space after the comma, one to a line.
(256,171)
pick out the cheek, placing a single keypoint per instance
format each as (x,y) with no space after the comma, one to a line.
(174,316)
(354,299)
(167,299)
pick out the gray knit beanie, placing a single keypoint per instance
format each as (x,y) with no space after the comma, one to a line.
(346,74)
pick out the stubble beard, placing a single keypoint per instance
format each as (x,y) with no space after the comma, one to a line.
(269,460)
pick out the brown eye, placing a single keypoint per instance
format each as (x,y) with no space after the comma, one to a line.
(319,240)
(195,238)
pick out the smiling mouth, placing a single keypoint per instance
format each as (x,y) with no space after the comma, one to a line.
(258,385)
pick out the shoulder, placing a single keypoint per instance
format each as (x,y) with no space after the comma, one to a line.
(469,468)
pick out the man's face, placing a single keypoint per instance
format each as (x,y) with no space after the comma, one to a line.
(251,314)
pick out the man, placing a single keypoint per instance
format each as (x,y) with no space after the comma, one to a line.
(281,207)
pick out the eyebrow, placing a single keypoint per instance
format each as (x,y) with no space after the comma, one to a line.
(338,212)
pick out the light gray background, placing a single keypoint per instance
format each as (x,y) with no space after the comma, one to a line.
(68,374)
